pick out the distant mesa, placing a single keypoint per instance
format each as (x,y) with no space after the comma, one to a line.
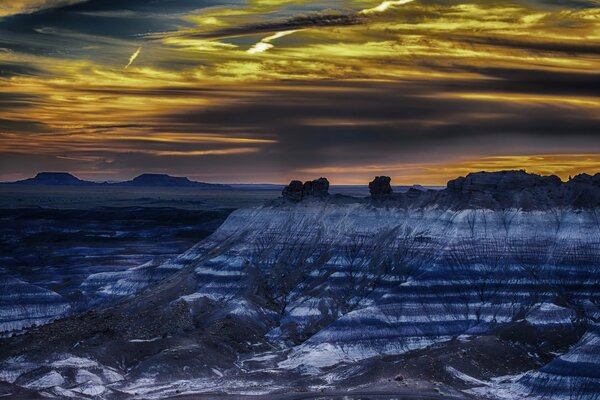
(163,180)
(54,179)
(297,191)
(144,180)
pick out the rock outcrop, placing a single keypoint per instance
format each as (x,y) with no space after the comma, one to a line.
(519,189)
(479,190)
(317,188)
(296,191)
(502,181)
(380,186)
(293,191)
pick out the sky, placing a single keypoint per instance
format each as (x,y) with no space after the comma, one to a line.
(273,90)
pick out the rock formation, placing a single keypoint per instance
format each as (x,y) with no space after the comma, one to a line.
(164,180)
(380,186)
(293,191)
(502,181)
(317,188)
(519,189)
(479,190)
(296,191)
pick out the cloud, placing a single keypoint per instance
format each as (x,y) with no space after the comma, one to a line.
(298,22)
(438,173)
(12,100)
(12,7)
(8,70)
(421,84)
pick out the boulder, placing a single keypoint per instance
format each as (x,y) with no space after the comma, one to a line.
(380,186)
(317,188)
(293,191)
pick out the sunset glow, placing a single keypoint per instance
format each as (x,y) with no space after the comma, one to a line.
(254,91)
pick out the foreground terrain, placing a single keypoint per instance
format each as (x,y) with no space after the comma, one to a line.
(487,289)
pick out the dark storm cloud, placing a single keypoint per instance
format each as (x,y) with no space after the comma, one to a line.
(84,29)
(571,48)
(563,3)
(386,123)
(8,70)
(319,124)
(16,100)
(21,126)
(122,19)
(515,80)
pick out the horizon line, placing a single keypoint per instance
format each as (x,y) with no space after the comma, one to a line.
(115,181)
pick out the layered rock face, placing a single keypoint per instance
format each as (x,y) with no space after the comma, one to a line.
(302,294)
(23,305)
(519,189)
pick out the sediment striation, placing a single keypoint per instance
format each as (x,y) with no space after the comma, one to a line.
(325,292)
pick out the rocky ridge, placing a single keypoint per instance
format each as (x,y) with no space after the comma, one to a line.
(482,190)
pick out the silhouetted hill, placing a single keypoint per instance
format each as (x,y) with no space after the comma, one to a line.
(164,180)
(54,178)
(144,180)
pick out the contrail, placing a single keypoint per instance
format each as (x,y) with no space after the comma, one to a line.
(265,44)
(133,57)
(384,6)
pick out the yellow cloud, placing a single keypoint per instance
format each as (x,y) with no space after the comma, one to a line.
(11,7)
(395,41)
